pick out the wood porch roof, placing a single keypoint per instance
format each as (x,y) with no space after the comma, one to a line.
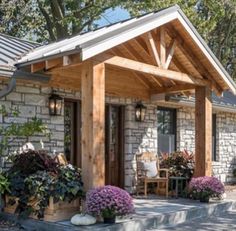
(157,53)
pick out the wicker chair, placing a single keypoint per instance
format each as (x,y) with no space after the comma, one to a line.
(143,160)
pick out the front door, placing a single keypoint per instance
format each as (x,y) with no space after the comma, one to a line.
(114,145)
(72,125)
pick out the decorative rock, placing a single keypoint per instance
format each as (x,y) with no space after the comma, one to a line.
(83,219)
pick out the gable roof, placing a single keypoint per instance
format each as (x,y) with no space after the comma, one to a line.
(95,42)
(12,49)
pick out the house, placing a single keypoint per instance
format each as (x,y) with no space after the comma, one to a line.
(158,61)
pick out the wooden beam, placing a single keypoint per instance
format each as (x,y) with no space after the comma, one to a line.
(137,57)
(121,53)
(162,46)
(136,45)
(170,53)
(51,63)
(152,70)
(93,124)
(203,131)
(71,60)
(152,49)
(37,67)
(194,60)
(173,89)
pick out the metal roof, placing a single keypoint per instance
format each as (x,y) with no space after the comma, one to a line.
(225,103)
(12,49)
(91,43)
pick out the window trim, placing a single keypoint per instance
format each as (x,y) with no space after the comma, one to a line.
(214,129)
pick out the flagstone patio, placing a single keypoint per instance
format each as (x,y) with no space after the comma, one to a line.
(150,213)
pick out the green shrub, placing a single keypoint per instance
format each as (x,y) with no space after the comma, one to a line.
(35,177)
(180,163)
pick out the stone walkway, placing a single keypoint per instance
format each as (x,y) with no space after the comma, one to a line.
(225,222)
(156,212)
(222,222)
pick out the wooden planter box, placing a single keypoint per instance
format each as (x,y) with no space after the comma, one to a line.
(54,212)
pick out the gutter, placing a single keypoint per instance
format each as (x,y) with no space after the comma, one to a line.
(18,74)
(9,88)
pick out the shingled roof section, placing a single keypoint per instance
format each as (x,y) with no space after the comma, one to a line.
(11,49)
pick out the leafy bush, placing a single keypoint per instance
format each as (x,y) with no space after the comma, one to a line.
(205,187)
(31,161)
(35,177)
(18,130)
(4,184)
(109,201)
(179,163)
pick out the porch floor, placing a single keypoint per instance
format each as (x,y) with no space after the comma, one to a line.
(152,212)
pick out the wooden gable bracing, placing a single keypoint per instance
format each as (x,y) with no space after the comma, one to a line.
(155,62)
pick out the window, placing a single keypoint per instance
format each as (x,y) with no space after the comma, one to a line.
(214,137)
(166,118)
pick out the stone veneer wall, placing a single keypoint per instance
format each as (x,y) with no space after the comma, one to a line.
(139,137)
(225,140)
(226,150)
(185,130)
(32,100)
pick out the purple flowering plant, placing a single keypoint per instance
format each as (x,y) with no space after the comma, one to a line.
(206,186)
(109,201)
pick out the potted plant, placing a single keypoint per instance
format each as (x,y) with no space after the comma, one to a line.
(206,187)
(179,163)
(108,202)
(39,184)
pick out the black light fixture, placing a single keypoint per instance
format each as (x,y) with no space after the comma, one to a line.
(55,104)
(140,111)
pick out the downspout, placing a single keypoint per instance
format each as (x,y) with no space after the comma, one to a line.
(9,88)
(18,74)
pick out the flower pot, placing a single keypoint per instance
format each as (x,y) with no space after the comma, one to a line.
(109,220)
(61,210)
(204,199)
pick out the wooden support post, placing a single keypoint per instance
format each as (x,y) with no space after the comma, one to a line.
(203,131)
(163,47)
(93,125)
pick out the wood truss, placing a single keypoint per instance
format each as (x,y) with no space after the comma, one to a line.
(159,61)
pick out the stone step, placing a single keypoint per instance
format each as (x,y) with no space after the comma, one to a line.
(138,222)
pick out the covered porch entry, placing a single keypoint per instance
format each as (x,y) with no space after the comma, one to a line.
(157,54)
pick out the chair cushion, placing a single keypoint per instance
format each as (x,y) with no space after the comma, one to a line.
(150,168)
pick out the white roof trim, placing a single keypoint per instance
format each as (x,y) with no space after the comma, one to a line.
(90,49)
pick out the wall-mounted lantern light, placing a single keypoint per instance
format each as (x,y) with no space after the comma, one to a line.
(140,111)
(55,104)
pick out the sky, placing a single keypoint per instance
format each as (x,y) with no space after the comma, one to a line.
(111,16)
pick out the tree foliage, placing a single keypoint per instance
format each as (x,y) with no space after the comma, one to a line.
(50,20)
